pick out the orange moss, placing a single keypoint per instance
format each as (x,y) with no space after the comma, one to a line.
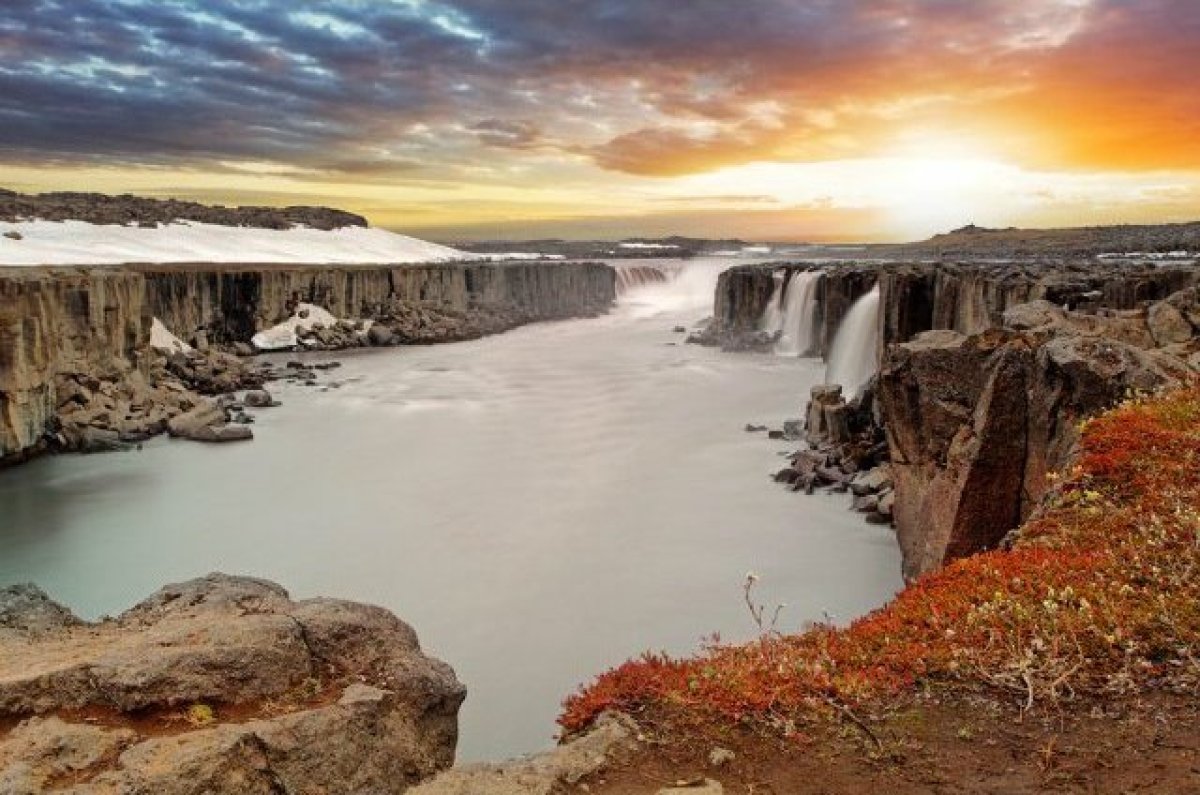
(1100,593)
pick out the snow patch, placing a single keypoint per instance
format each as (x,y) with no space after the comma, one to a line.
(81,243)
(286,335)
(161,339)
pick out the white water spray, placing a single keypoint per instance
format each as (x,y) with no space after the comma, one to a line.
(799,315)
(853,357)
(772,318)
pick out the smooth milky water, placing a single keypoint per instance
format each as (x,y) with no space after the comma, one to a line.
(540,505)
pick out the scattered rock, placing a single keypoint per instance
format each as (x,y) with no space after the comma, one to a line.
(14,235)
(755,428)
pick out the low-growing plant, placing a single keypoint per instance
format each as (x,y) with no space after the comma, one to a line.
(1098,594)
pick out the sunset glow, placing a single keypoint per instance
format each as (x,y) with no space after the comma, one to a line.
(784,119)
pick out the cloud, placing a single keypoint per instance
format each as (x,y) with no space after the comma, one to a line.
(361,90)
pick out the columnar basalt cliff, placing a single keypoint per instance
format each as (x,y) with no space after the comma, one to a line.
(220,685)
(967,297)
(97,321)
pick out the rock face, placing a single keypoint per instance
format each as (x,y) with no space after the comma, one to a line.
(219,685)
(975,423)
(914,297)
(96,322)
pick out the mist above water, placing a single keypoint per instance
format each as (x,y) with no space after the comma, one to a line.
(540,505)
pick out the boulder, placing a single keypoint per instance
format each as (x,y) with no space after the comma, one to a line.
(259,399)
(1168,324)
(220,685)
(380,335)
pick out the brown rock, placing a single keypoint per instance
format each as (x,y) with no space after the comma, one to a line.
(387,721)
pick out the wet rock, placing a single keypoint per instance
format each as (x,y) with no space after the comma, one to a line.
(101,440)
(259,399)
(866,503)
(380,335)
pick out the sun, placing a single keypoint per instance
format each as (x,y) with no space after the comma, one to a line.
(923,185)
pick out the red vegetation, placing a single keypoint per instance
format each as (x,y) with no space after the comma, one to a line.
(1100,593)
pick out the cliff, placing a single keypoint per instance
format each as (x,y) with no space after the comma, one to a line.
(976,424)
(97,320)
(964,296)
(219,685)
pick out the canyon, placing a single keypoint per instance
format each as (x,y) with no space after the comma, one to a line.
(985,371)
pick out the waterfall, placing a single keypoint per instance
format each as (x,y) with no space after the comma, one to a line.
(772,318)
(799,315)
(632,276)
(792,311)
(853,357)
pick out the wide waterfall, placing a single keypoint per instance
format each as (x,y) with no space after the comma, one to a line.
(854,355)
(632,276)
(792,311)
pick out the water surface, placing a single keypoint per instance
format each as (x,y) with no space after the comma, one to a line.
(540,505)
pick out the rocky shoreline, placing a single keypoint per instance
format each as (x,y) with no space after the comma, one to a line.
(78,372)
(984,377)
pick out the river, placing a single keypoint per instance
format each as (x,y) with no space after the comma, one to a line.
(540,505)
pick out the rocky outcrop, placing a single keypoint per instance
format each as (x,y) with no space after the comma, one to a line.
(915,297)
(98,208)
(976,422)
(219,685)
(94,323)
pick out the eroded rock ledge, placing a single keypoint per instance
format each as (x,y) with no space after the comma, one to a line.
(219,685)
(96,322)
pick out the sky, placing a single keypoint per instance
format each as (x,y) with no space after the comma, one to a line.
(793,120)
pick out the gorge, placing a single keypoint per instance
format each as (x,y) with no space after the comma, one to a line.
(482,472)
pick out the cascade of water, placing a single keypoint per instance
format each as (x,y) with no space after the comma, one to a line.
(631,276)
(853,357)
(799,318)
(772,317)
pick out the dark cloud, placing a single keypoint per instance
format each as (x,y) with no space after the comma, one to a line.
(354,87)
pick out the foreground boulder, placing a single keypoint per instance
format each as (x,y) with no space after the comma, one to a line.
(219,685)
